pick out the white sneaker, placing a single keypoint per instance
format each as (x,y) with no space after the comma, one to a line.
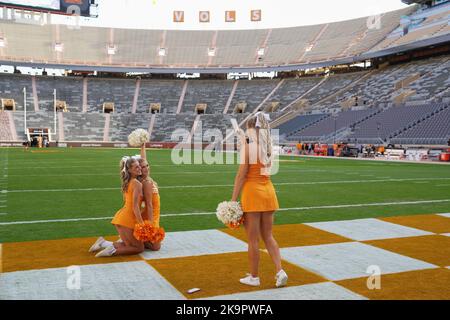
(97,245)
(281,278)
(250,280)
(107,252)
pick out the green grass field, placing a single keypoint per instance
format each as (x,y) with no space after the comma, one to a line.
(82,184)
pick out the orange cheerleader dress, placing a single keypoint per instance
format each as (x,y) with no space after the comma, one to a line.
(125,217)
(258,193)
(156,204)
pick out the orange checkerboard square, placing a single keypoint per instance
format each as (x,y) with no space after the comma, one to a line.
(54,254)
(219,274)
(430,284)
(293,235)
(430,222)
(434,249)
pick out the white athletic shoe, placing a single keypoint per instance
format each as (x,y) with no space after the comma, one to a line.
(97,245)
(107,252)
(281,278)
(250,280)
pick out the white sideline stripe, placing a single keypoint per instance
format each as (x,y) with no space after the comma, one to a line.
(213,213)
(229,185)
(302,171)
(117,166)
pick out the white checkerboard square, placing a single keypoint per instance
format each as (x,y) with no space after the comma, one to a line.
(113,281)
(316,291)
(196,243)
(368,229)
(349,260)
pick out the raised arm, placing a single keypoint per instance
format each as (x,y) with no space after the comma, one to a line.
(148,194)
(143,152)
(242,172)
(136,205)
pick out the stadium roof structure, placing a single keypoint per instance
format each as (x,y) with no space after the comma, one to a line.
(415,1)
(171,51)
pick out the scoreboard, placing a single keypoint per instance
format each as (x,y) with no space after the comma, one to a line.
(70,7)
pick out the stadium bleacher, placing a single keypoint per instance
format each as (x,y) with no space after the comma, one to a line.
(234,48)
(214,93)
(384,125)
(376,90)
(435,129)
(424,24)
(69,89)
(399,96)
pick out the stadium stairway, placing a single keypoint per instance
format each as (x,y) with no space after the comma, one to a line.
(35,96)
(136,96)
(230,98)
(151,124)
(294,103)
(344,89)
(183,94)
(106,128)
(61,136)
(290,111)
(263,104)
(6,132)
(84,100)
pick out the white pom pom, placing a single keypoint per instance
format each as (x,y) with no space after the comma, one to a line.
(138,137)
(230,213)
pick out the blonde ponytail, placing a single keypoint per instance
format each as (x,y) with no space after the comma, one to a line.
(259,130)
(265,139)
(125,165)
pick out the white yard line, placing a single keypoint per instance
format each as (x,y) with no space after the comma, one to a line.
(4,184)
(231,185)
(117,166)
(300,171)
(381,204)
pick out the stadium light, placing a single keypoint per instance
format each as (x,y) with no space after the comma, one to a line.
(112,49)
(211,52)
(2,42)
(261,52)
(59,47)
(162,52)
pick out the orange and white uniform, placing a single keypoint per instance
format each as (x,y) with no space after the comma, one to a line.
(125,217)
(258,193)
(156,204)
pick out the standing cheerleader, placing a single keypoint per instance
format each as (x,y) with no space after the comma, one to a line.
(258,198)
